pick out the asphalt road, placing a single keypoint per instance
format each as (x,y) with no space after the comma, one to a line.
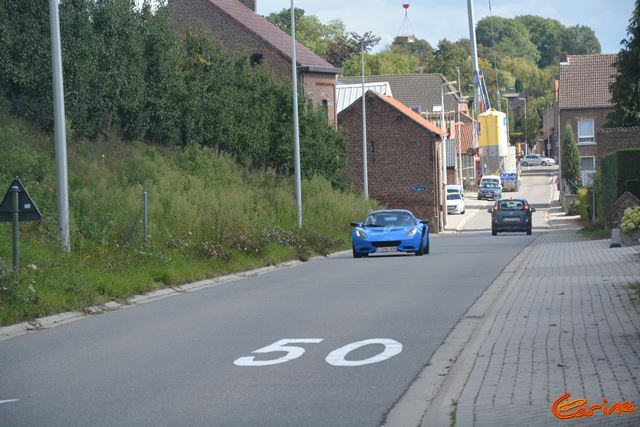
(171,362)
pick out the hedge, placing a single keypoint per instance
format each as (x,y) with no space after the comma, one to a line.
(620,173)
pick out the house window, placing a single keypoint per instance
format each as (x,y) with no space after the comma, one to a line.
(588,170)
(255,60)
(586,135)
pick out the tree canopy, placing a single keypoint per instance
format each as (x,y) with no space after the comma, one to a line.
(625,90)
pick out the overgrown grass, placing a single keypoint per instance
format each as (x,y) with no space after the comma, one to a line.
(207,217)
(595,232)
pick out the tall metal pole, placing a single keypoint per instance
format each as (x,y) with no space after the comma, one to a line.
(296,129)
(443,191)
(62,184)
(365,171)
(474,61)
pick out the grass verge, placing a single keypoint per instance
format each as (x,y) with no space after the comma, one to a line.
(207,217)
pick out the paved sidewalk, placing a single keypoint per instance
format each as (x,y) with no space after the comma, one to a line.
(566,321)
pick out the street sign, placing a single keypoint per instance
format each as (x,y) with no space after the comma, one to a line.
(27,209)
(418,189)
(508,176)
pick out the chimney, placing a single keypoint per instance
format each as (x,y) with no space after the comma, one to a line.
(251,4)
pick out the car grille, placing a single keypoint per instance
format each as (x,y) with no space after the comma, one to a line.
(385,244)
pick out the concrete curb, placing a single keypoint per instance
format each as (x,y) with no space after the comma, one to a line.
(55,320)
(427,402)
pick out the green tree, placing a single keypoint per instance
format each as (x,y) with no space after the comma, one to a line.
(570,156)
(625,90)
(510,36)
(546,35)
(580,40)
(342,49)
(384,62)
(309,30)
(448,57)
(419,48)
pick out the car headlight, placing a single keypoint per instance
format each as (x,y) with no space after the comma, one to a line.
(412,232)
(360,233)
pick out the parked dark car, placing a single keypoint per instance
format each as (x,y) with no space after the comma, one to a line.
(489,191)
(511,215)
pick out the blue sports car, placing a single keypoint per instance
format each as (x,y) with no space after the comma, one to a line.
(395,230)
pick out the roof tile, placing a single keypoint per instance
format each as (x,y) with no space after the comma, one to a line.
(585,79)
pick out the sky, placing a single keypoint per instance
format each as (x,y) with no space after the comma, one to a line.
(434,20)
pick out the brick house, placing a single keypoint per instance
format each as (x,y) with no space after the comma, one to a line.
(584,101)
(235,25)
(403,155)
(423,94)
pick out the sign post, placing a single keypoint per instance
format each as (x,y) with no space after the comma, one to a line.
(17,206)
(15,214)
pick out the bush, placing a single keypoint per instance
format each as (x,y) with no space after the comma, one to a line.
(631,220)
(130,76)
(583,204)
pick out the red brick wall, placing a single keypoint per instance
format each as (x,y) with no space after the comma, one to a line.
(401,155)
(200,15)
(610,140)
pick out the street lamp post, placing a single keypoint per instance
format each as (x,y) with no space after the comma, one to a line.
(364,128)
(366,40)
(443,198)
(508,122)
(296,128)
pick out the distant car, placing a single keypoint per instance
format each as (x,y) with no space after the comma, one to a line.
(511,215)
(489,191)
(537,160)
(455,203)
(495,179)
(390,231)
(455,189)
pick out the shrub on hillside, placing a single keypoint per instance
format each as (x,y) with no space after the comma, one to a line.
(129,75)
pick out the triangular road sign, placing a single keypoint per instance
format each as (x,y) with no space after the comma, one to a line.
(28,209)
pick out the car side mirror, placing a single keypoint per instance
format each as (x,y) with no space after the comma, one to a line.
(424,221)
(490,210)
(355,224)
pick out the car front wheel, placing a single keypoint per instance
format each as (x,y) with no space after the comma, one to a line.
(529,232)
(494,232)
(544,163)
(525,164)
(420,250)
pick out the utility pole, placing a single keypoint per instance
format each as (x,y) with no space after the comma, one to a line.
(476,78)
(364,129)
(62,184)
(296,128)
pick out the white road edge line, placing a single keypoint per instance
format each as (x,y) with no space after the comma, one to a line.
(9,401)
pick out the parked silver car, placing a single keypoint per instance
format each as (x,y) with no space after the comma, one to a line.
(537,160)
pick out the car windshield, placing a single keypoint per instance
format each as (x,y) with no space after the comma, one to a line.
(489,185)
(512,205)
(389,219)
(454,196)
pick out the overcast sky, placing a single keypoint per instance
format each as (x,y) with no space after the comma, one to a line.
(434,20)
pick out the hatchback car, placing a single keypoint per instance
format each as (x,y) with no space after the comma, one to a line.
(537,160)
(384,231)
(511,215)
(455,203)
(489,191)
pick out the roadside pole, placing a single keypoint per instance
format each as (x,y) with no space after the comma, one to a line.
(15,213)
(296,128)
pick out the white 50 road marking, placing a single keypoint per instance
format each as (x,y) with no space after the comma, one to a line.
(391,348)
(292,352)
(335,358)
